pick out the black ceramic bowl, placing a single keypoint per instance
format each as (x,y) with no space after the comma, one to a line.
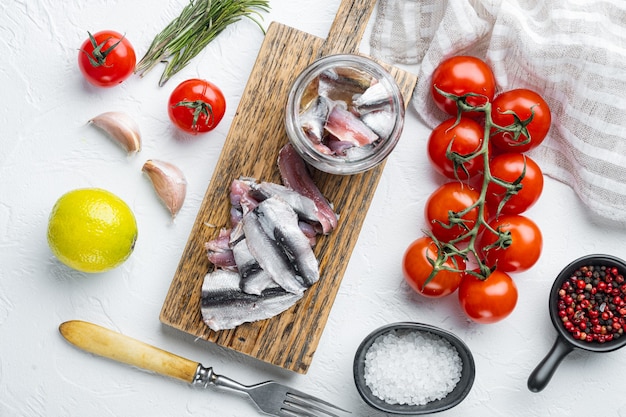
(565,342)
(461,390)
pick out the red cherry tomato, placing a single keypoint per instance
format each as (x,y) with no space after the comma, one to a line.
(488,300)
(460,140)
(520,252)
(462,75)
(196,106)
(444,211)
(524,104)
(106,58)
(417,267)
(510,167)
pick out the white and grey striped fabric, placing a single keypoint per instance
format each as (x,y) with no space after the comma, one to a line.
(572,52)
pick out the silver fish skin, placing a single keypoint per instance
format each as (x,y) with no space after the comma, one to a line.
(312,120)
(280,222)
(258,282)
(270,255)
(381,122)
(225,306)
(295,175)
(254,280)
(342,84)
(301,204)
(375,98)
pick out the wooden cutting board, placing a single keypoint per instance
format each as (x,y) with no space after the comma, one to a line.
(288,340)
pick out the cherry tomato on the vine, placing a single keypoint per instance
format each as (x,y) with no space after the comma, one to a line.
(444,211)
(509,167)
(461,75)
(488,300)
(196,106)
(519,251)
(457,139)
(520,104)
(416,268)
(106,58)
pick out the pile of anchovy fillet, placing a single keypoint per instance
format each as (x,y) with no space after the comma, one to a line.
(264,262)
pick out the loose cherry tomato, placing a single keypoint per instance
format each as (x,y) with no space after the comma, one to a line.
(456,140)
(196,106)
(510,167)
(462,75)
(516,251)
(444,211)
(417,267)
(520,104)
(106,58)
(488,300)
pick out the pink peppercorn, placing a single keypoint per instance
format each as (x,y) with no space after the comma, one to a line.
(592,304)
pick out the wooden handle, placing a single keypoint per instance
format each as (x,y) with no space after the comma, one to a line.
(348,27)
(104,342)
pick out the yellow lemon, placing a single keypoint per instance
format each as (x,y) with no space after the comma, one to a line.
(91,230)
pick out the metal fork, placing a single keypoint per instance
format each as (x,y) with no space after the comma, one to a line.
(270,397)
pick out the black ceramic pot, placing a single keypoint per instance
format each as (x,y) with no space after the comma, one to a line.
(461,390)
(565,342)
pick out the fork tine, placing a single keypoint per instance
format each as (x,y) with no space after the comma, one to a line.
(305,404)
(292,413)
(297,410)
(307,397)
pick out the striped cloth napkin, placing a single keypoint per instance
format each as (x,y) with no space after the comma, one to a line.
(572,52)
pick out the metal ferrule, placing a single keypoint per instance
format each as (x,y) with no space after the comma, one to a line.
(203,376)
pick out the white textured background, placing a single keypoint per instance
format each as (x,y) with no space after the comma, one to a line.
(47,149)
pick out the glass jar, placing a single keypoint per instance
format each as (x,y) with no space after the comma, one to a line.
(344,114)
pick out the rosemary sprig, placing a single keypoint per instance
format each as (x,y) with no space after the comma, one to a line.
(198,24)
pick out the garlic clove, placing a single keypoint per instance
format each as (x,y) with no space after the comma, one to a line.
(169,183)
(121,128)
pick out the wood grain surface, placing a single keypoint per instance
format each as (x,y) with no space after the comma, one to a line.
(257,133)
(113,345)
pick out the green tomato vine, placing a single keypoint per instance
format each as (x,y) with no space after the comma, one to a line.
(449,250)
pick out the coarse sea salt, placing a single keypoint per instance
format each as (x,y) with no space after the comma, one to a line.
(411,367)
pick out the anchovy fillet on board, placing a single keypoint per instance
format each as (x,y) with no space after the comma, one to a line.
(225,305)
(265,261)
(303,206)
(280,222)
(254,279)
(295,175)
(270,255)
